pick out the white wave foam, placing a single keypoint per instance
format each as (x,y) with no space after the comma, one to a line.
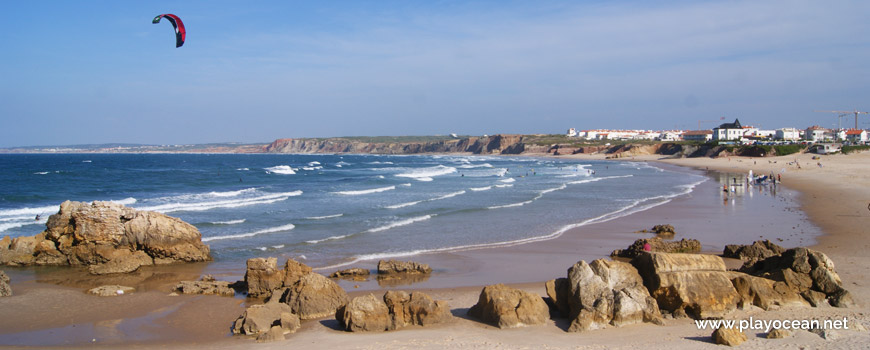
(30,212)
(313,163)
(17,224)
(278,246)
(234,203)
(376,162)
(86,161)
(323,217)
(622,212)
(125,201)
(508,180)
(512,204)
(504,186)
(400,223)
(40,173)
(402,205)
(280,169)
(426,174)
(472,166)
(231,222)
(478,189)
(369,191)
(408,204)
(231,193)
(315,241)
(311,168)
(287,227)
(243,169)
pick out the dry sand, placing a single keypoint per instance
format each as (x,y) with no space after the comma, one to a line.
(835,197)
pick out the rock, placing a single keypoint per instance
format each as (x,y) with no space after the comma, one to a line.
(559,291)
(314,296)
(395,266)
(422,310)
(696,283)
(397,303)
(802,270)
(763,292)
(293,271)
(262,276)
(826,334)
(275,333)
(110,234)
(778,334)
(608,292)
(350,273)
(816,299)
(664,230)
(508,307)
(364,314)
(659,245)
(259,319)
(206,285)
(728,336)
(753,252)
(124,261)
(5,288)
(111,291)
(842,298)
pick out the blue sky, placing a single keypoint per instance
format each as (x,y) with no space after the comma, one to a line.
(74,72)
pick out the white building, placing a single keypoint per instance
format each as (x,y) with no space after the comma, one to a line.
(698,135)
(572,132)
(816,133)
(855,135)
(788,134)
(729,131)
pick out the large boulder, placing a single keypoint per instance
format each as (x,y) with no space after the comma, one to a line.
(696,284)
(728,336)
(559,291)
(395,266)
(763,292)
(659,245)
(263,276)
(106,232)
(804,271)
(5,289)
(364,314)
(508,307)
(259,319)
(417,309)
(314,296)
(608,292)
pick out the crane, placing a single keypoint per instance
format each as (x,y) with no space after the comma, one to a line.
(845,113)
(708,121)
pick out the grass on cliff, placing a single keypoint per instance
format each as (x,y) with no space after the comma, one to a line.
(850,149)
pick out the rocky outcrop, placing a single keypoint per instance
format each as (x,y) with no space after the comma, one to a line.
(803,271)
(110,237)
(364,314)
(496,144)
(659,245)
(313,296)
(728,336)
(263,277)
(763,292)
(695,284)
(5,289)
(395,266)
(206,285)
(664,230)
(508,307)
(608,292)
(261,320)
(756,251)
(111,291)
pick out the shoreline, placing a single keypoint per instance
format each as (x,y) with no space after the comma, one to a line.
(554,265)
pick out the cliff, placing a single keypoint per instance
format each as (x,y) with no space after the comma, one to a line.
(496,144)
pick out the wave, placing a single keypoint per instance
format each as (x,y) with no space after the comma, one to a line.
(231,193)
(125,201)
(561,187)
(235,203)
(30,212)
(402,205)
(426,174)
(497,172)
(408,204)
(369,191)
(315,241)
(478,189)
(231,222)
(508,180)
(472,166)
(323,217)
(280,169)
(622,212)
(400,223)
(505,185)
(379,162)
(86,161)
(243,169)
(41,173)
(26,222)
(313,163)
(310,168)
(287,227)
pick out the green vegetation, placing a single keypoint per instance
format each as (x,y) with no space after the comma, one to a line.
(850,149)
(784,150)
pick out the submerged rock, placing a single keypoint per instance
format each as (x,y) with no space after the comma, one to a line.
(354,272)
(395,266)
(206,285)
(111,291)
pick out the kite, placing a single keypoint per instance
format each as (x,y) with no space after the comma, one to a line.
(180,33)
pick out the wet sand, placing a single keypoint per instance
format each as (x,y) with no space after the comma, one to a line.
(152,318)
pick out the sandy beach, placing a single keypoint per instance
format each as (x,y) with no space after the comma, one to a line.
(824,207)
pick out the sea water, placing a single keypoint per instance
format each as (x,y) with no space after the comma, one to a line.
(333,210)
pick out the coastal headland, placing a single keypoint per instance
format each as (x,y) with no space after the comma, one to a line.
(829,210)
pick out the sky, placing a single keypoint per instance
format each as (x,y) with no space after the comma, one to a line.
(84,72)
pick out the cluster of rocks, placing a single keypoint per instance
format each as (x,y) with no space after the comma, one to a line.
(386,267)
(661,230)
(108,238)
(753,252)
(658,245)
(5,289)
(267,322)
(207,285)
(395,310)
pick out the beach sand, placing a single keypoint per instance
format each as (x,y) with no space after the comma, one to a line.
(50,309)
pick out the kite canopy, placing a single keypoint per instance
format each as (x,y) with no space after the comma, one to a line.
(180,33)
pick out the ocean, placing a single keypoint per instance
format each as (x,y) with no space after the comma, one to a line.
(330,211)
